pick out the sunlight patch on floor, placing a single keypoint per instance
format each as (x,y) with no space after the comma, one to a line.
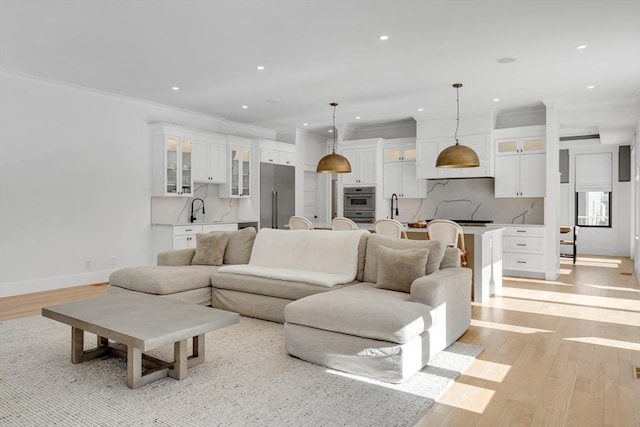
(505,327)
(607,342)
(547,308)
(615,261)
(527,280)
(562,298)
(489,371)
(565,271)
(467,397)
(612,288)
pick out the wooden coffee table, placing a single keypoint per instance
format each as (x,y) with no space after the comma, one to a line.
(139,323)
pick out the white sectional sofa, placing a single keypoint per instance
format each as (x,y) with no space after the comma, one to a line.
(349,300)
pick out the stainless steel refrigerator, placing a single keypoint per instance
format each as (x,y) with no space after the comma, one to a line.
(277,195)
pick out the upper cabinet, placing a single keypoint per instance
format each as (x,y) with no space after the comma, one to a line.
(209,159)
(363,166)
(172,161)
(399,174)
(428,151)
(520,162)
(275,152)
(239,169)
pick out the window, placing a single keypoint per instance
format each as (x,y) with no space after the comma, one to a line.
(593,208)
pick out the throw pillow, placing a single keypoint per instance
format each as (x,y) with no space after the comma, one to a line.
(239,246)
(398,268)
(209,248)
(436,252)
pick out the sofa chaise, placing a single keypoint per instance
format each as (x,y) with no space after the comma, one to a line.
(349,300)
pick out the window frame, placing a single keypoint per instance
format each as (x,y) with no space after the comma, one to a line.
(609,225)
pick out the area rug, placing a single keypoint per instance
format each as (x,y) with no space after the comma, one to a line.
(247,379)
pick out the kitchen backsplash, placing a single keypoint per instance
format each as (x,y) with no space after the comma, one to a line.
(471,198)
(177,210)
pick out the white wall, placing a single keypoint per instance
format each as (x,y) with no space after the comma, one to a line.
(75,172)
(311,148)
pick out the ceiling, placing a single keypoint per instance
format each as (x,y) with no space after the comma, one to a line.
(315,52)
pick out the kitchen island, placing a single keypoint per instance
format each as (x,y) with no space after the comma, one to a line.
(484,257)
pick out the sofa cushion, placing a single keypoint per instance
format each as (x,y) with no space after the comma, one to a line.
(451,258)
(163,280)
(364,311)
(323,257)
(239,245)
(209,249)
(436,253)
(269,287)
(398,268)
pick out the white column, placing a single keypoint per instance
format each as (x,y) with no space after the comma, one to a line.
(552,198)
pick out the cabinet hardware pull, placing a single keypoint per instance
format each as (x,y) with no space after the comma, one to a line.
(521,244)
(521,231)
(521,262)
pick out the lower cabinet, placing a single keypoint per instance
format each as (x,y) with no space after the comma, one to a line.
(523,250)
(184,236)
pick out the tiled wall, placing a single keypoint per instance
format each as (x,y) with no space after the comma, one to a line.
(471,198)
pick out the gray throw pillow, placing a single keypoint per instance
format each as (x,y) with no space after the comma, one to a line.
(239,246)
(398,268)
(375,241)
(210,248)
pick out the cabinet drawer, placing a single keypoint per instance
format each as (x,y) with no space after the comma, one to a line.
(522,244)
(522,262)
(207,228)
(524,231)
(181,230)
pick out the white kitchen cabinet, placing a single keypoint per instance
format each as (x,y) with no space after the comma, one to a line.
(184,236)
(239,169)
(363,166)
(523,250)
(399,174)
(520,162)
(210,160)
(172,161)
(428,151)
(279,156)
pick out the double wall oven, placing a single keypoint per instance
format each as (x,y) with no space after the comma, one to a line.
(360,204)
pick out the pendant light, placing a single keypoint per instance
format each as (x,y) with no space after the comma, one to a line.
(457,156)
(334,162)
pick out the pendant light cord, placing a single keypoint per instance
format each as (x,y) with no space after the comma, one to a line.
(457,112)
(335,131)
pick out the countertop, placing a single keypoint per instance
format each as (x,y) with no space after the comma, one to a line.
(208,223)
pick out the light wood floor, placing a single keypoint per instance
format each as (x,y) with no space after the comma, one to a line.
(557,353)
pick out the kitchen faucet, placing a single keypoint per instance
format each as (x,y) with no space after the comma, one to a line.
(193,212)
(394,195)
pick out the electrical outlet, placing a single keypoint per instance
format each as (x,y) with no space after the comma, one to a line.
(87,264)
(113,261)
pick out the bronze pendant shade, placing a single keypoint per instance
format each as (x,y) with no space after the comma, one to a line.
(457,156)
(334,162)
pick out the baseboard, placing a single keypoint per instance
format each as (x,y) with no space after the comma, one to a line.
(9,289)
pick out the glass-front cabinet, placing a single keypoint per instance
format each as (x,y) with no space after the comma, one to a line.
(172,162)
(239,181)
(178,163)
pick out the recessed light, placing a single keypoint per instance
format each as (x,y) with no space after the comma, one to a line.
(175,88)
(357,117)
(506,60)
(420,109)
(245,107)
(260,67)
(582,46)
(330,130)
(305,124)
(590,87)
(383,37)
(496,99)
